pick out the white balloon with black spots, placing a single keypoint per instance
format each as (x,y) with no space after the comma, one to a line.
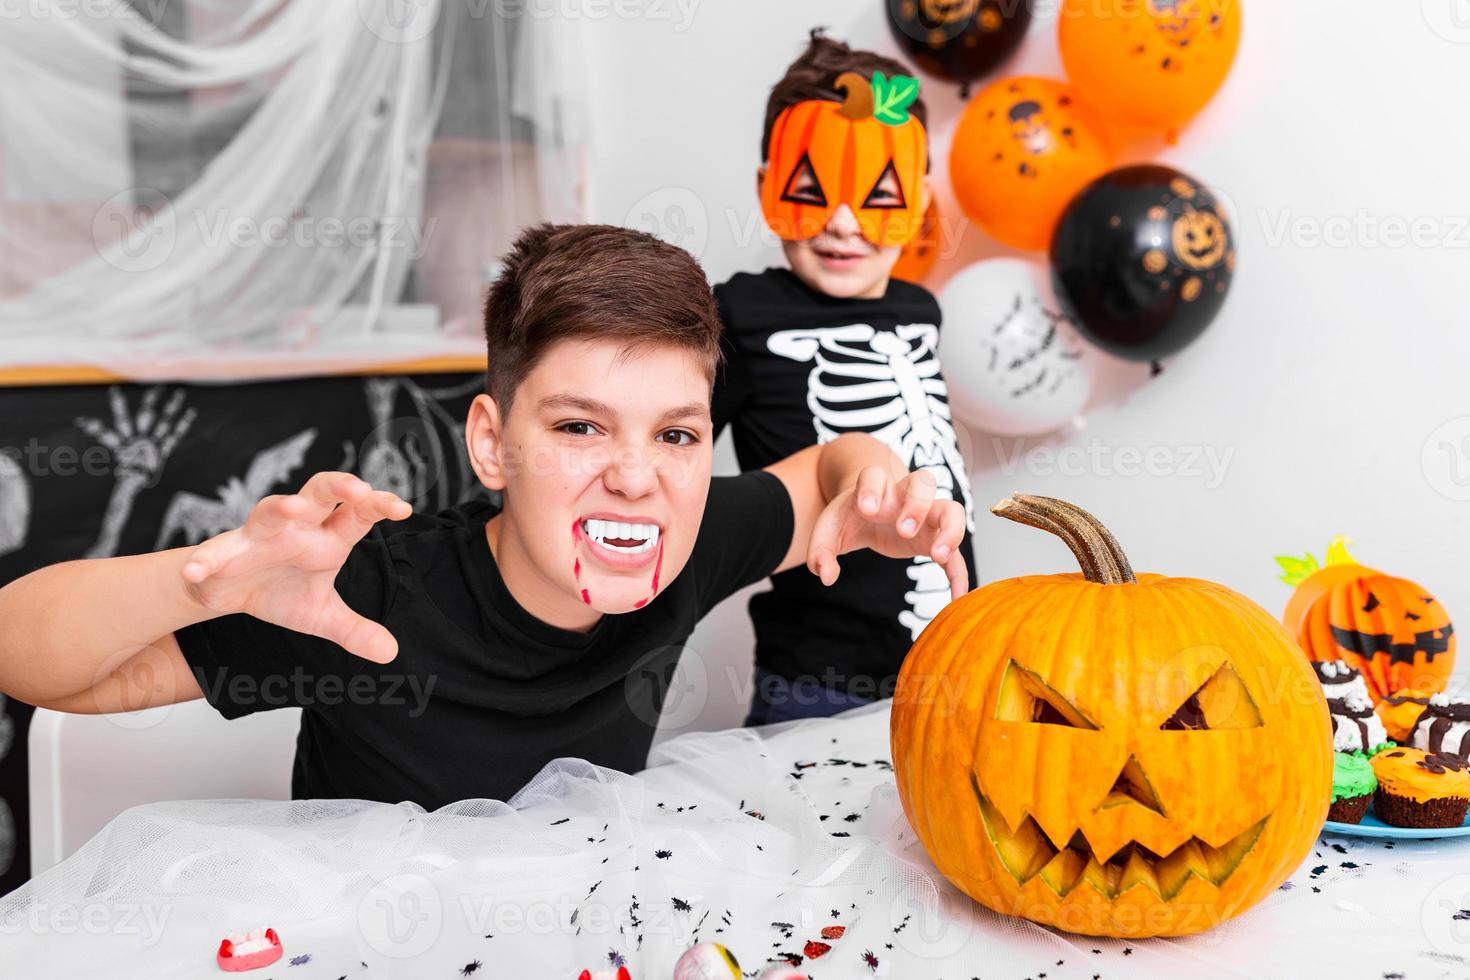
(1013,360)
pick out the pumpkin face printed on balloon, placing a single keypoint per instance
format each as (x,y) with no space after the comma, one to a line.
(1392,630)
(959,40)
(1022,149)
(939,12)
(866,152)
(1199,238)
(1179,22)
(1110,754)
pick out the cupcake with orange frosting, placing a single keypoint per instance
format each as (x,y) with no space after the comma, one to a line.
(1420,789)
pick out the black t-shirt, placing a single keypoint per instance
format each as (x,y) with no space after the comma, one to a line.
(801,369)
(482,694)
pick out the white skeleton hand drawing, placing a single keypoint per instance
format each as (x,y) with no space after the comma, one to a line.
(15,504)
(416,455)
(888,385)
(198,518)
(140,447)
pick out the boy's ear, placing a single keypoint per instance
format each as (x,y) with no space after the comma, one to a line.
(760,180)
(482,440)
(928,195)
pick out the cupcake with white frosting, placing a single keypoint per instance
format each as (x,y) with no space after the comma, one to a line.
(1444,727)
(1355,725)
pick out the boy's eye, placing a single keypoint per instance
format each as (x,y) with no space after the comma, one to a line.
(578,428)
(887,192)
(678,437)
(803,187)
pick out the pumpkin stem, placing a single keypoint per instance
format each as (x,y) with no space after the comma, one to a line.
(859,92)
(1098,552)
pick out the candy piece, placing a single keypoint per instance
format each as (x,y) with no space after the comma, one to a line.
(249,951)
(707,961)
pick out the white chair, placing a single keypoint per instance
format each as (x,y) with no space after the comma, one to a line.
(87,769)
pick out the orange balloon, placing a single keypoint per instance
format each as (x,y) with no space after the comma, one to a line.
(1022,149)
(918,257)
(1149,64)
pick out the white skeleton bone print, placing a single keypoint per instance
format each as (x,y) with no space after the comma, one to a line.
(888,385)
(15,504)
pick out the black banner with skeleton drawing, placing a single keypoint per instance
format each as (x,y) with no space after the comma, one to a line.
(98,471)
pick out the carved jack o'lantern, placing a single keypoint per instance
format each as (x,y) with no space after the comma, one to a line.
(1107,754)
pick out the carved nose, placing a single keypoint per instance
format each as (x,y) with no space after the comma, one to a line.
(1132,786)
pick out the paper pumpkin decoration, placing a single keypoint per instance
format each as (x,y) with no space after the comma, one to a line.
(1110,754)
(1393,630)
(1143,259)
(1013,360)
(1149,64)
(1023,147)
(866,151)
(921,252)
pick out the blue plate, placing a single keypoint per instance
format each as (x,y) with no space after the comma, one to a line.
(1373,827)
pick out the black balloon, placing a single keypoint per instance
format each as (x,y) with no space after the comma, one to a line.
(959,40)
(1142,260)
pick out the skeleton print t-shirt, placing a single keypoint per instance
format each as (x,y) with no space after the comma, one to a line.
(802,368)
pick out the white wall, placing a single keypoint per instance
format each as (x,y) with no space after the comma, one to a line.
(1334,383)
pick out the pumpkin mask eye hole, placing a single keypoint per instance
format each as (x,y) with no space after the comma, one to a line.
(803,187)
(1221,703)
(1024,696)
(887,192)
(1371,604)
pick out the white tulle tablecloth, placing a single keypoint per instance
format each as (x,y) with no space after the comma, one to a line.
(757,840)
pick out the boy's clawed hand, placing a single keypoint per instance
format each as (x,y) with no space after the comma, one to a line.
(900,519)
(281,566)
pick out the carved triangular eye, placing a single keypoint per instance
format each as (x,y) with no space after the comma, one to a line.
(1024,696)
(803,187)
(887,192)
(1371,604)
(1221,703)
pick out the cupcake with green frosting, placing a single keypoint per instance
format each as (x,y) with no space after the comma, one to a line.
(1353,784)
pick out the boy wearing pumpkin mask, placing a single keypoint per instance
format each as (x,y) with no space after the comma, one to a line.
(833,344)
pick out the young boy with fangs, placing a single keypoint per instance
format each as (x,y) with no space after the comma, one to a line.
(446,658)
(834,345)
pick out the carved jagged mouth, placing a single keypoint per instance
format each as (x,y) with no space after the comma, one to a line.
(1026,852)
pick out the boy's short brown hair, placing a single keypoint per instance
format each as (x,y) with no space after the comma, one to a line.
(814,75)
(561,282)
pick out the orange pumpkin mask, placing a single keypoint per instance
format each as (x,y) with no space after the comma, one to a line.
(866,151)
